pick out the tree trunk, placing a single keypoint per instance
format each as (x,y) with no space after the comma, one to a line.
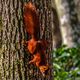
(68,22)
(13,57)
(77,4)
(56,32)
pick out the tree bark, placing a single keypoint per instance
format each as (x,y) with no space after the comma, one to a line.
(12,33)
(13,57)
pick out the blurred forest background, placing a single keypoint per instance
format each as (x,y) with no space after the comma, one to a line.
(61,19)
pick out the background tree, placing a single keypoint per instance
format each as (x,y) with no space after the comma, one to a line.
(56,32)
(77,6)
(68,22)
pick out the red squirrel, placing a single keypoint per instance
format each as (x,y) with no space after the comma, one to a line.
(35,46)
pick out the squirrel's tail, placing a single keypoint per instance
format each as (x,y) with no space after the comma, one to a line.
(31,19)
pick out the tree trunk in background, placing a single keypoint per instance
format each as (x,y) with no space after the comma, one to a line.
(13,57)
(77,3)
(68,22)
(56,33)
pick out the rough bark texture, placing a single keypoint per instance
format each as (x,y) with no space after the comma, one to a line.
(12,55)
(13,58)
(68,22)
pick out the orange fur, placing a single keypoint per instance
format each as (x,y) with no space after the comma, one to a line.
(31,19)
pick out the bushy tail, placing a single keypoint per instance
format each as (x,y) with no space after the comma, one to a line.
(31,19)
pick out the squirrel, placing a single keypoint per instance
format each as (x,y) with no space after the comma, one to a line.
(35,46)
